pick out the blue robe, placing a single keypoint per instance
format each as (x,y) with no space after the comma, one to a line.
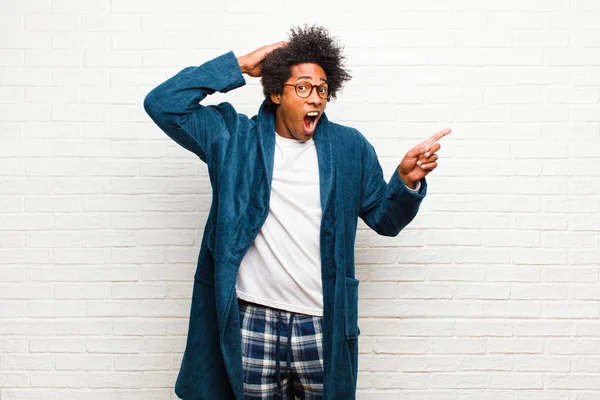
(239,152)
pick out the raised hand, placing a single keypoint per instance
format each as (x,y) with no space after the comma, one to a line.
(250,63)
(421,159)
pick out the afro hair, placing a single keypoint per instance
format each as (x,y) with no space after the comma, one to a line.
(308,44)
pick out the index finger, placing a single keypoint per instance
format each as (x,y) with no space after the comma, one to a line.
(436,137)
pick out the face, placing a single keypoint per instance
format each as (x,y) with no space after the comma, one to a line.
(297,117)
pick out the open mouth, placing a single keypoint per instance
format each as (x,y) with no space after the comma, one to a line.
(310,120)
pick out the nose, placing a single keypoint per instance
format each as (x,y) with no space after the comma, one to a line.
(314,98)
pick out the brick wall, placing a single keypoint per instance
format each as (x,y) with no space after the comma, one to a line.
(492,293)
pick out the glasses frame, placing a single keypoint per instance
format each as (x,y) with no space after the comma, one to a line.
(310,91)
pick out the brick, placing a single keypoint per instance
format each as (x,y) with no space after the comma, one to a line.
(70,345)
(485,363)
(85,362)
(428,364)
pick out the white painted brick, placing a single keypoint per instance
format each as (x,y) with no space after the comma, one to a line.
(137,255)
(541,364)
(570,310)
(108,95)
(541,292)
(11,239)
(372,290)
(58,308)
(516,381)
(138,291)
(50,23)
(54,58)
(173,344)
(455,273)
(139,327)
(515,346)
(426,327)
(142,362)
(11,58)
(441,308)
(25,327)
(19,186)
(82,291)
(421,291)
(483,329)
(165,308)
(166,273)
(510,239)
(571,382)
(53,130)
(27,362)
(485,363)
(111,308)
(98,59)
(160,379)
(86,362)
(80,41)
(119,345)
(26,291)
(115,380)
(89,326)
(70,345)
(52,274)
(13,256)
(542,328)
(586,364)
(24,76)
(110,239)
(26,40)
(79,77)
(400,346)
(400,381)
(457,381)
(81,256)
(81,221)
(14,380)
(53,204)
(110,203)
(583,223)
(513,309)
(571,206)
(166,237)
(426,363)
(167,203)
(115,273)
(179,290)
(457,237)
(456,346)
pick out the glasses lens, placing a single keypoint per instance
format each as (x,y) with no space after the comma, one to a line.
(303,89)
(323,91)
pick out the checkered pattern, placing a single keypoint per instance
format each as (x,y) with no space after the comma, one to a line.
(282,354)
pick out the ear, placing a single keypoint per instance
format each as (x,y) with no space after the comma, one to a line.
(276,98)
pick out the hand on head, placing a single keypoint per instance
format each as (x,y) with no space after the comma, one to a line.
(250,63)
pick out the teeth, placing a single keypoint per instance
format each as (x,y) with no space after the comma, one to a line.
(312,114)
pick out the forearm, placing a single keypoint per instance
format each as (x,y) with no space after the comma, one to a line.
(180,95)
(396,207)
(174,105)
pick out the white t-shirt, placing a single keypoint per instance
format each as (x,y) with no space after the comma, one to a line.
(282,268)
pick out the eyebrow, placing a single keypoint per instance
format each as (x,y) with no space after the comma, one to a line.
(309,77)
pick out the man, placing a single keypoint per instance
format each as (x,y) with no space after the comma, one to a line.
(274,306)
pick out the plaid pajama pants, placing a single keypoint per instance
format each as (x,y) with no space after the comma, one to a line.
(282,354)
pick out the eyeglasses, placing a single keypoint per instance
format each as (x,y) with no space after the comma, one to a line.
(304,89)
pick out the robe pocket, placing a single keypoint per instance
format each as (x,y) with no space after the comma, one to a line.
(352,330)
